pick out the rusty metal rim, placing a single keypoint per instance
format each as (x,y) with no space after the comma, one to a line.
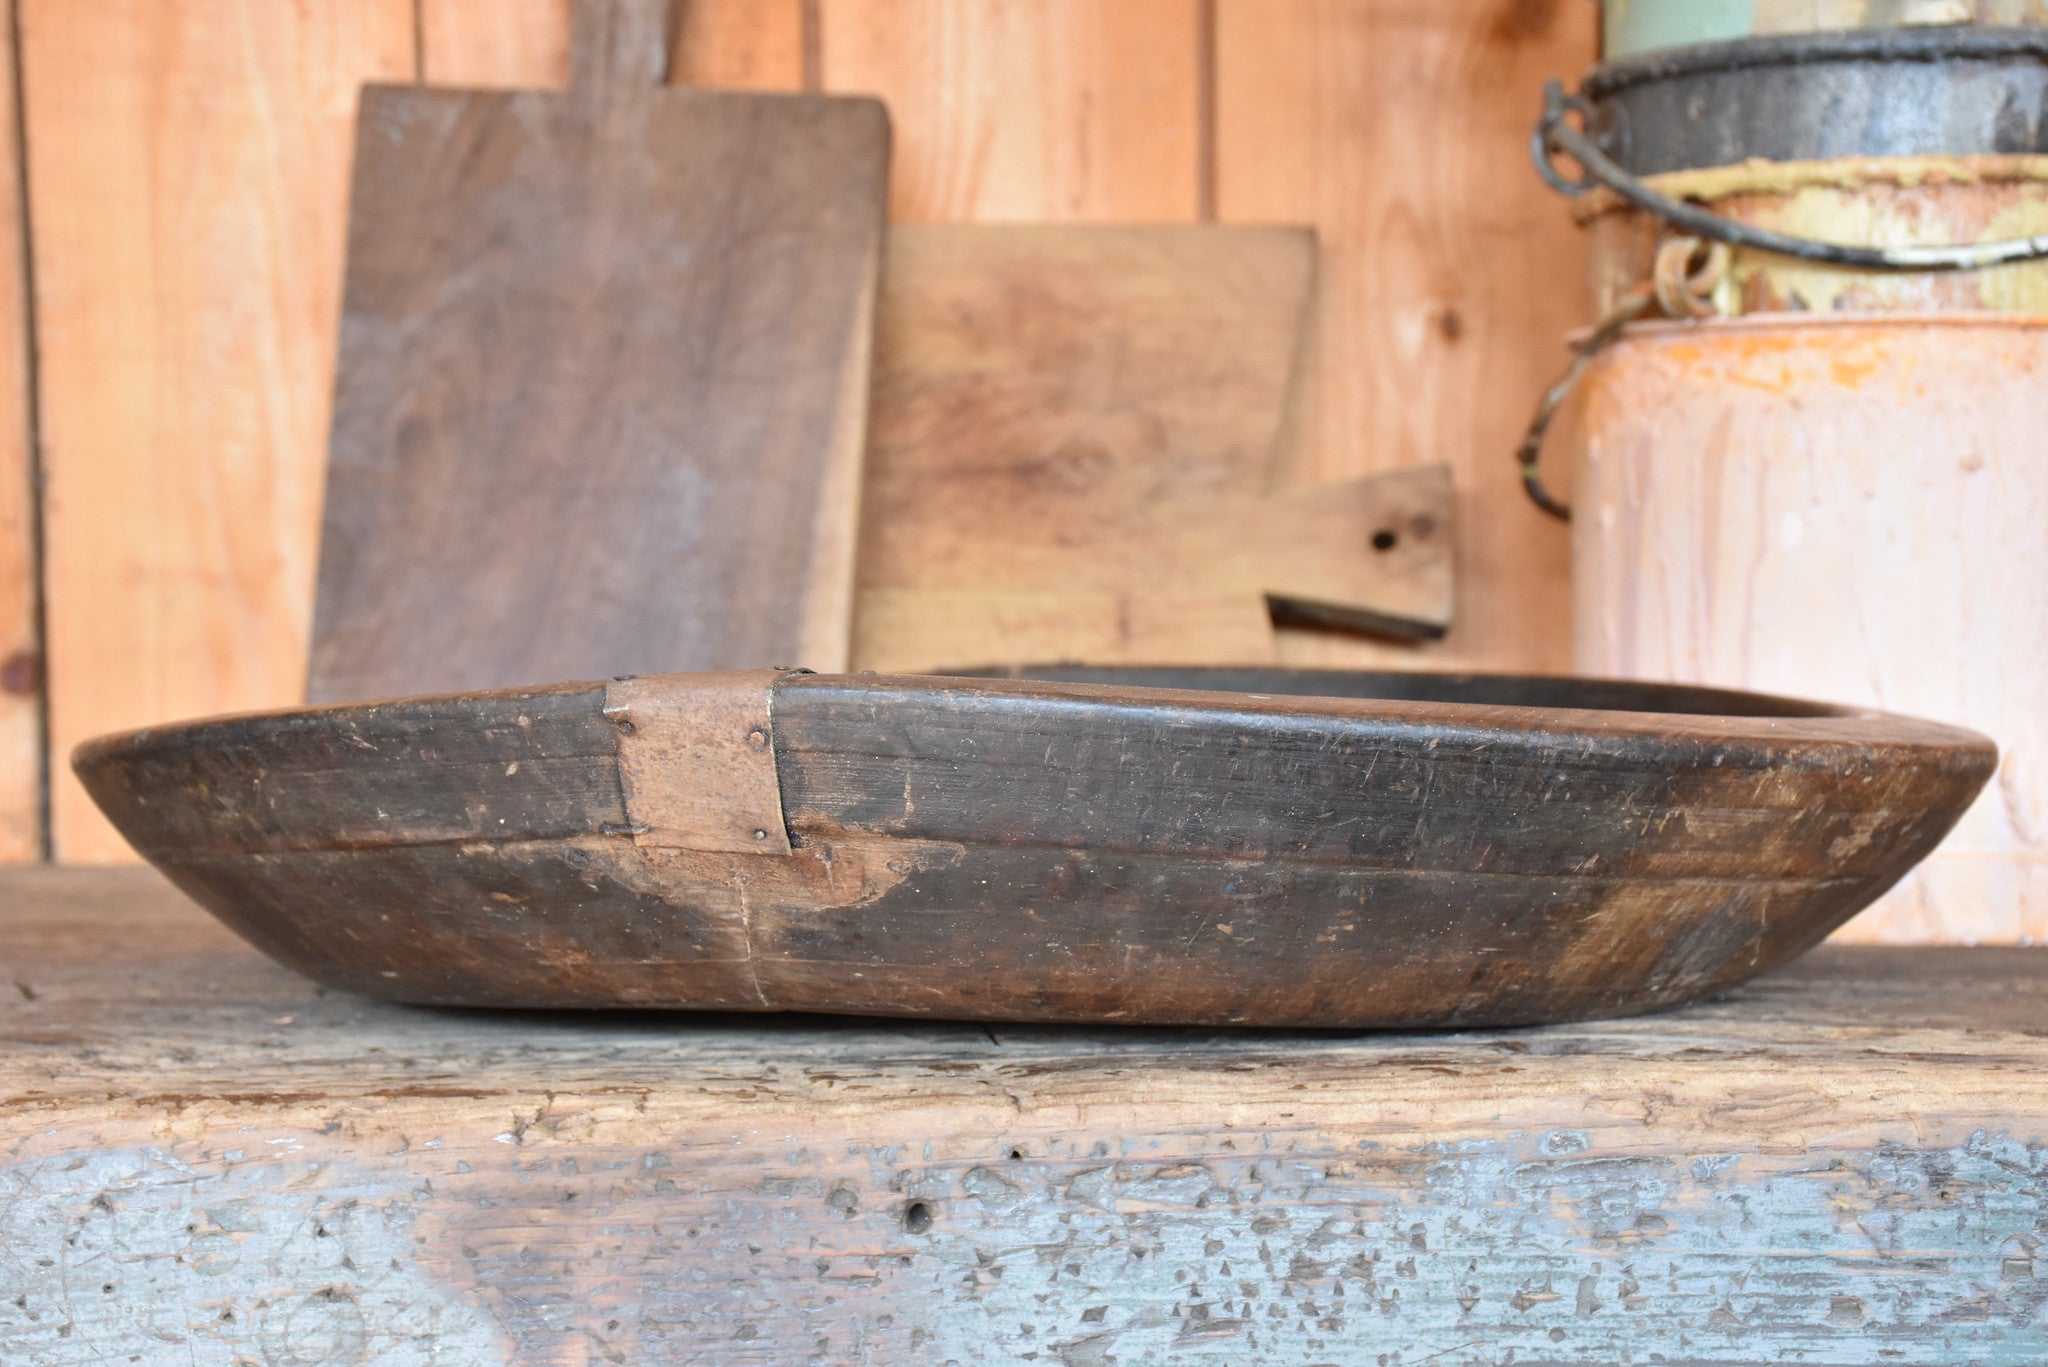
(1592,348)
(1666,329)
(1919,44)
(1709,184)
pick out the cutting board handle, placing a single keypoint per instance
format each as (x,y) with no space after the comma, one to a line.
(620,44)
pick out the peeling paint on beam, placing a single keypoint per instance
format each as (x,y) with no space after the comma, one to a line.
(1221,1248)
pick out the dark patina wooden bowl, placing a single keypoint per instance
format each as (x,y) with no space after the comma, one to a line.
(1277,848)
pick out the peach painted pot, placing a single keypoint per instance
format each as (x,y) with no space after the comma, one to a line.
(1849,507)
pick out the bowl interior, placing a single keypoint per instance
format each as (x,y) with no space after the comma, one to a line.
(1497,690)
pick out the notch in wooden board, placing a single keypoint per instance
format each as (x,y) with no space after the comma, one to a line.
(602,384)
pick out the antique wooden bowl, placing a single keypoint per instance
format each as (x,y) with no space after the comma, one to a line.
(1164,846)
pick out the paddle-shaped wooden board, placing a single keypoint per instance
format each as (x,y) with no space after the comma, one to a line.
(1074,438)
(602,378)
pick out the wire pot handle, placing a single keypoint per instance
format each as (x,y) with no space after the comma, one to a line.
(1682,282)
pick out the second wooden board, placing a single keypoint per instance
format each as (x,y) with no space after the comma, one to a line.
(1074,434)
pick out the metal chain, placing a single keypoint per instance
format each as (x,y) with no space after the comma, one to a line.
(1556,136)
(1682,284)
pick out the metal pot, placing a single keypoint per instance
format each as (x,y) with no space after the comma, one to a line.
(1954,91)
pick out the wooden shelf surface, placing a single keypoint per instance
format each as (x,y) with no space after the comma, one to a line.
(206,1159)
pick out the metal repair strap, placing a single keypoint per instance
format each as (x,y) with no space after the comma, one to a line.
(697,768)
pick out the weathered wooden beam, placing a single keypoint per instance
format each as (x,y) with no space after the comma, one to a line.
(204,1158)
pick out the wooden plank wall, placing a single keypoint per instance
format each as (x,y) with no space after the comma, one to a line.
(21,664)
(1400,128)
(186,168)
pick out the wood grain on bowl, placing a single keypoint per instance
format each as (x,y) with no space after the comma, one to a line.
(1265,847)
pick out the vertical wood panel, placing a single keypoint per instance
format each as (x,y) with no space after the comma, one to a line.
(746,44)
(494,42)
(21,721)
(1029,109)
(1400,128)
(188,168)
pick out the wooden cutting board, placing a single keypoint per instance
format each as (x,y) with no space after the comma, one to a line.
(1072,449)
(602,377)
